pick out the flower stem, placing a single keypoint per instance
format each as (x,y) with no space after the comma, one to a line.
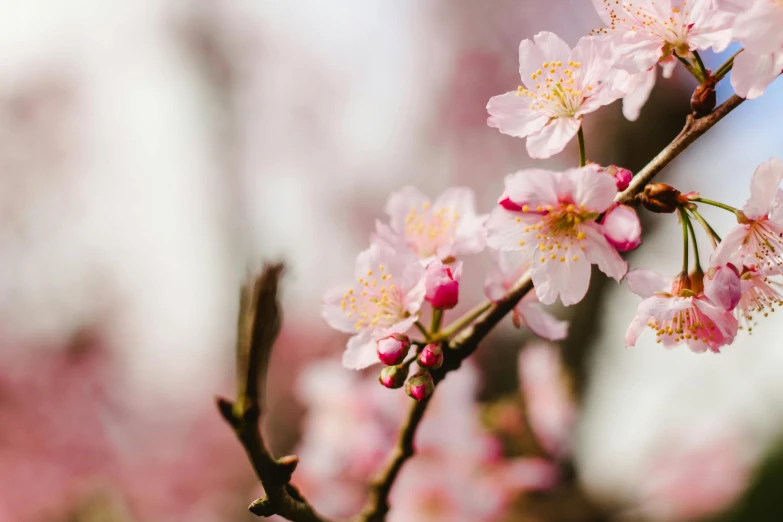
(714,237)
(735,211)
(437,319)
(423,330)
(582,156)
(724,69)
(684,221)
(464,321)
(700,65)
(693,240)
(691,69)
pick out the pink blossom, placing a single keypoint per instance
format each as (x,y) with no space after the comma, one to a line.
(384,300)
(559,86)
(441,230)
(680,317)
(509,267)
(442,284)
(757,26)
(622,228)
(644,33)
(696,474)
(760,295)
(550,409)
(757,241)
(557,226)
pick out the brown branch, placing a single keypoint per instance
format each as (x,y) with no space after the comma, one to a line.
(464,344)
(257,329)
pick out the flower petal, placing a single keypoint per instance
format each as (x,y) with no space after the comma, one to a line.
(511,114)
(763,188)
(504,232)
(646,283)
(401,203)
(600,252)
(569,279)
(553,138)
(360,352)
(541,322)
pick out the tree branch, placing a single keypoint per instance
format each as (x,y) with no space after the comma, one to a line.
(464,344)
(257,329)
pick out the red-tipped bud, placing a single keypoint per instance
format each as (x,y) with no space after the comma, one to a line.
(662,198)
(442,284)
(393,376)
(621,176)
(704,99)
(622,228)
(393,349)
(431,356)
(420,386)
(506,203)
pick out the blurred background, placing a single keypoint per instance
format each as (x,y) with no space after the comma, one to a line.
(153,154)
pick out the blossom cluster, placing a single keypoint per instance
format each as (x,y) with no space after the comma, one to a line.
(555,225)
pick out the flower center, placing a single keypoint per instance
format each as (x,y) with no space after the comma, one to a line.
(688,324)
(377,302)
(765,243)
(426,230)
(556,89)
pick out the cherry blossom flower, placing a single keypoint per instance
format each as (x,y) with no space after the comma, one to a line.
(682,316)
(760,295)
(557,226)
(559,86)
(644,33)
(441,230)
(384,300)
(509,267)
(550,409)
(757,241)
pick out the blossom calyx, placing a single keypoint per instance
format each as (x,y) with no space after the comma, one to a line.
(392,349)
(420,386)
(662,198)
(431,356)
(393,377)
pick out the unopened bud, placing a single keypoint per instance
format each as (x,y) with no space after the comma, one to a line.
(622,228)
(505,202)
(703,99)
(621,176)
(393,349)
(420,386)
(662,198)
(393,376)
(442,284)
(431,356)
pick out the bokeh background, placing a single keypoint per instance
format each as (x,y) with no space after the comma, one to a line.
(154,153)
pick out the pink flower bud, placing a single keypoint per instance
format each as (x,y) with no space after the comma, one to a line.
(442,284)
(393,349)
(506,203)
(722,286)
(622,228)
(420,386)
(393,376)
(431,356)
(622,176)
